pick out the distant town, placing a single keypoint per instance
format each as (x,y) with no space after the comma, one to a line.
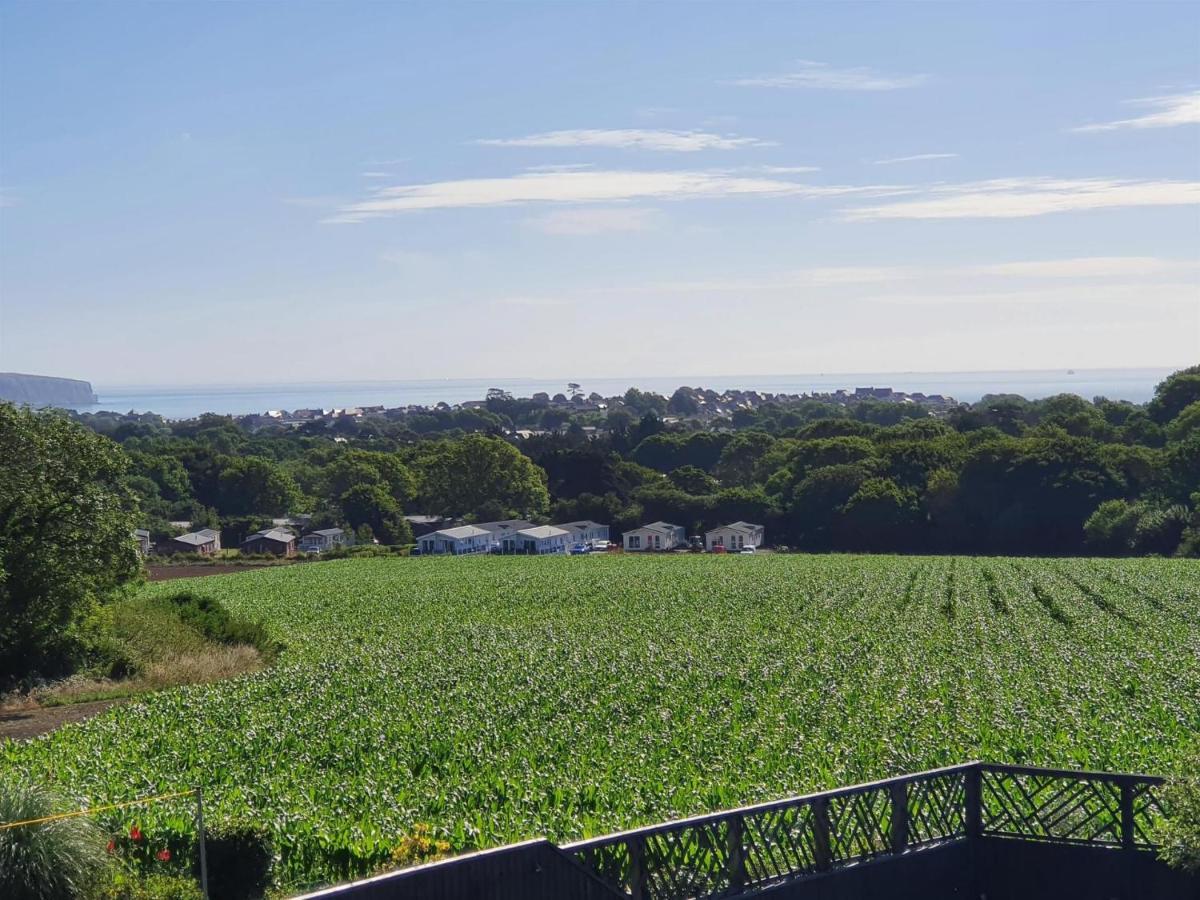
(687,403)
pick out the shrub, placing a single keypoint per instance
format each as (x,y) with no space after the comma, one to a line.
(51,861)
(212,620)
(1179,835)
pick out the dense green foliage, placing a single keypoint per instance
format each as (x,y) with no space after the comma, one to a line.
(1179,837)
(59,860)
(1058,476)
(66,537)
(498,698)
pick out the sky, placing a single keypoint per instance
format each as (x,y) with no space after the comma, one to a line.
(266,192)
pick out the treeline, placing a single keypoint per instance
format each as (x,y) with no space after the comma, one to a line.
(1061,475)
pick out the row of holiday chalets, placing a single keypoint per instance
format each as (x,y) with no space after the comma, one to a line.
(517,536)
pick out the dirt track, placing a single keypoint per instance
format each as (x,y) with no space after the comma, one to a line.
(21,724)
(169,573)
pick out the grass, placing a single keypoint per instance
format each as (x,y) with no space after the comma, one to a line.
(153,641)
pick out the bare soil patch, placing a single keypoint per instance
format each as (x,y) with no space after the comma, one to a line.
(22,724)
(169,573)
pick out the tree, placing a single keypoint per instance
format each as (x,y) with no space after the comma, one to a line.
(66,537)
(693,480)
(1185,424)
(880,516)
(373,506)
(251,484)
(459,477)
(1175,393)
(740,457)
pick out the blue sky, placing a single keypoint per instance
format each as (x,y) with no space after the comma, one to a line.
(240,192)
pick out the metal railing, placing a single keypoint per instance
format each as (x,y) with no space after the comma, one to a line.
(733,851)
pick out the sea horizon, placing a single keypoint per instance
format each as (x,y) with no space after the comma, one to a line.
(189,400)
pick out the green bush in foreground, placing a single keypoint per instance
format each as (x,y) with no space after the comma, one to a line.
(56,860)
(1180,836)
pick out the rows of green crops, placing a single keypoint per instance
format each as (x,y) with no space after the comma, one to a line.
(502,698)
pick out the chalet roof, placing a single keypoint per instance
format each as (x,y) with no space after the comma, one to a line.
(504,525)
(196,538)
(581,525)
(271,534)
(460,533)
(541,532)
(326,532)
(744,527)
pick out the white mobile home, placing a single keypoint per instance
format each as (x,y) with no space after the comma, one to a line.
(456,541)
(656,536)
(504,533)
(585,531)
(734,537)
(323,539)
(544,539)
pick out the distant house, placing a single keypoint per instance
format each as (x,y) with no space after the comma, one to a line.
(585,531)
(734,537)
(324,539)
(544,539)
(504,533)
(142,536)
(656,536)
(206,542)
(456,541)
(278,541)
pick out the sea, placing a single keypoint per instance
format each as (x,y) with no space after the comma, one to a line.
(188,401)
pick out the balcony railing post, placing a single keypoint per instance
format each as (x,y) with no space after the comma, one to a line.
(637,867)
(822,854)
(1127,830)
(899,795)
(973,797)
(737,854)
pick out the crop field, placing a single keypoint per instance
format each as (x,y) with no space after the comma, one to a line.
(496,699)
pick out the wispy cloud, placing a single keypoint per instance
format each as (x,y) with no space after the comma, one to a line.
(917,157)
(788,170)
(378,174)
(1012,198)
(589,221)
(809,74)
(559,167)
(582,187)
(630,139)
(1176,109)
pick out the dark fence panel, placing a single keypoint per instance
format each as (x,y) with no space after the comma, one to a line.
(535,870)
(1007,869)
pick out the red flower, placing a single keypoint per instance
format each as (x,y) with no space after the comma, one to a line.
(163,855)
(112,846)
(135,833)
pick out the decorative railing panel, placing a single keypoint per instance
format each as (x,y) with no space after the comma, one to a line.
(728,853)
(937,809)
(1092,808)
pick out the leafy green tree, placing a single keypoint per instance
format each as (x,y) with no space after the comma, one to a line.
(880,516)
(372,505)
(1186,424)
(1174,394)
(459,477)
(741,456)
(1110,529)
(818,501)
(693,480)
(66,537)
(250,485)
